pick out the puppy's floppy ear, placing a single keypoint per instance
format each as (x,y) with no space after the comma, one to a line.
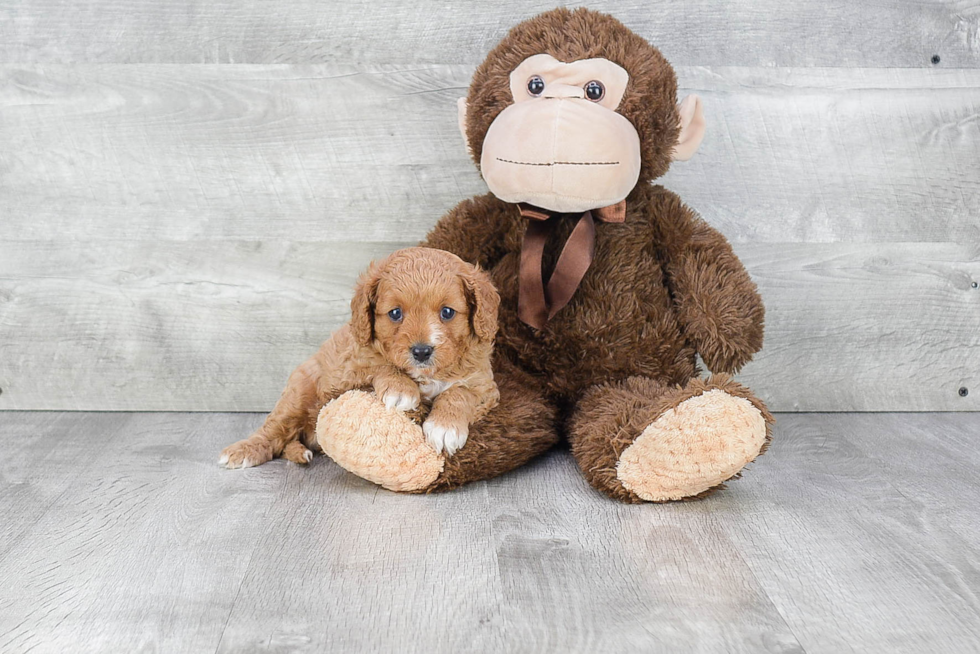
(483,300)
(362,305)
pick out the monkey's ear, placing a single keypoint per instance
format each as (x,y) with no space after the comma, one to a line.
(692,128)
(362,305)
(461,117)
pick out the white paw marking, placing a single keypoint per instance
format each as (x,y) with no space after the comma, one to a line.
(247,463)
(442,438)
(401,401)
(223,460)
(308,455)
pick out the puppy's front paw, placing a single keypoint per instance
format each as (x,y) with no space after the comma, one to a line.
(401,401)
(445,436)
(245,454)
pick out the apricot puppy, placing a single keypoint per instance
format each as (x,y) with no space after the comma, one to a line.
(422,328)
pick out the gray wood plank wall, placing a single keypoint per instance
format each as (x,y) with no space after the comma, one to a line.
(187,190)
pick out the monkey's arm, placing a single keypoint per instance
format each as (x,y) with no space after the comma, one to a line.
(473,230)
(717,302)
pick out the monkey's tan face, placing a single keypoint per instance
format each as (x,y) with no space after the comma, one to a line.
(561,145)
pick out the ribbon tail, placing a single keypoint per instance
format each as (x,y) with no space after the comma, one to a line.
(532,307)
(573,263)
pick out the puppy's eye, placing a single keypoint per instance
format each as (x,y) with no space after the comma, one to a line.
(535,86)
(594,90)
(447,313)
(395,315)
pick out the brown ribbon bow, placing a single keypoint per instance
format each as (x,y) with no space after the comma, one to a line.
(538,303)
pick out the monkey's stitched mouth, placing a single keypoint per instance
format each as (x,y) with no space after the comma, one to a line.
(561,163)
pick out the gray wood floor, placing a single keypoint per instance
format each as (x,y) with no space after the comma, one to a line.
(119,533)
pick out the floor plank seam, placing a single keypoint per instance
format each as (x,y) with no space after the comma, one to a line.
(495,628)
(234,603)
(759,584)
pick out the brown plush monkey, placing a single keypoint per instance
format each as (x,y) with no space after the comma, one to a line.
(609,285)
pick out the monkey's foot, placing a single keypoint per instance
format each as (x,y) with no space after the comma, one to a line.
(693,447)
(382,445)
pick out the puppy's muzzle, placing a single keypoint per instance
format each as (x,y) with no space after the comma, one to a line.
(421,353)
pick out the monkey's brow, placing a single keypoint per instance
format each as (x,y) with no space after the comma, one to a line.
(561,163)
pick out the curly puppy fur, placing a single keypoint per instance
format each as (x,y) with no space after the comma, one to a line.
(374,351)
(663,287)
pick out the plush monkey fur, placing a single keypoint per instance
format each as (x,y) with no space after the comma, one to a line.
(619,360)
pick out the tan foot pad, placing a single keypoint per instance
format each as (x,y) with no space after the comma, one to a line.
(378,444)
(697,445)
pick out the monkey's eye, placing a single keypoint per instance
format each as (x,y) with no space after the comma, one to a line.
(535,86)
(395,315)
(594,90)
(447,313)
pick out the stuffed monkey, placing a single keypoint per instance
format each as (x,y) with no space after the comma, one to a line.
(609,285)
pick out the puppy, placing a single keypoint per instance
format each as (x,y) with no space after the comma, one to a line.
(422,327)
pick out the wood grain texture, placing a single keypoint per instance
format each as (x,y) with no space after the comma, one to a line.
(582,573)
(852,559)
(145,551)
(44,454)
(891,33)
(867,327)
(940,492)
(837,540)
(219,325)
(165,324)
(354,568)
(373,153)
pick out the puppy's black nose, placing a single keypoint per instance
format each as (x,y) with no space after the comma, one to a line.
(421,353)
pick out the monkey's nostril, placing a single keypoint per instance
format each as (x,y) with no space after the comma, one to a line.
(421,353)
